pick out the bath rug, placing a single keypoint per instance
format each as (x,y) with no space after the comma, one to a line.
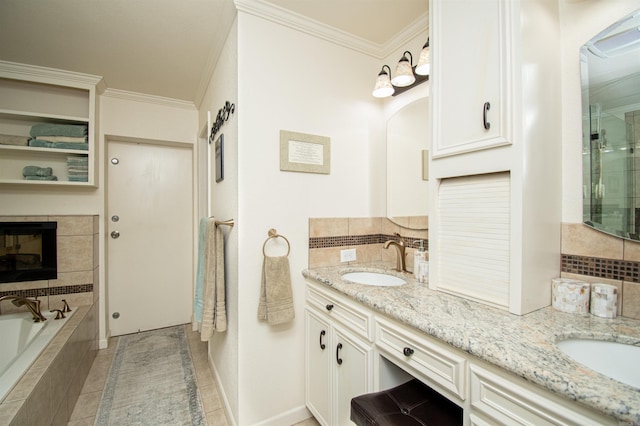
(151,382)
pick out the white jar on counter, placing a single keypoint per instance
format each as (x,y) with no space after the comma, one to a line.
(604,300)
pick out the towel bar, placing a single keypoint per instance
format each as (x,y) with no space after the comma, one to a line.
(229,222)
(274,234)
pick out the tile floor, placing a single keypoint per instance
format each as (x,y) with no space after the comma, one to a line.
(87,405)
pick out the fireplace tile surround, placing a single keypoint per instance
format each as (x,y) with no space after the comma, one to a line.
(586,254)
(77,245)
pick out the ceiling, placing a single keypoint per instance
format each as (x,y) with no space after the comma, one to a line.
(167,48)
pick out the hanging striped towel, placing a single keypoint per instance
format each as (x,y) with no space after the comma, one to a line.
(276,296)
(214,313)
(202,248)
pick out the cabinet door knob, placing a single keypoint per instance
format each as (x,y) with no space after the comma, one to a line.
(338,359)
(407,351)
(322,345)
(329,307)
(486,108)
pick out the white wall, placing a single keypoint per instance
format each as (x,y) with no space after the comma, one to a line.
(223,87)
(580,20)
(288,80)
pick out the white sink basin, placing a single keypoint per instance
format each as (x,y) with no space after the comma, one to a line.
(373,278)
(615,360)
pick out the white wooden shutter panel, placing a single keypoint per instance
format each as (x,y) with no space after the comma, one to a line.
(474,237)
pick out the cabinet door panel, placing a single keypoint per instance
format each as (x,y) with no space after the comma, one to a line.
(470,71)
(353,374)
(318,369)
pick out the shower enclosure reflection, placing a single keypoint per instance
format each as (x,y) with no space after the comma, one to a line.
(611,129)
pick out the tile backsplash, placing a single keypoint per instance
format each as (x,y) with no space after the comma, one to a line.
(587,254)
(328,236)
(593,256)
(77,245)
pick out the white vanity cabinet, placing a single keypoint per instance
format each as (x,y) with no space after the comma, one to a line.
(436,365)
(352,349)
(502,54)
(32,95)
(338,358)
(498,398)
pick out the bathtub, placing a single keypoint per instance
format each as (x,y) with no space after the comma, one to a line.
(22,340)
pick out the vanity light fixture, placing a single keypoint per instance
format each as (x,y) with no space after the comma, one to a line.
(424,67)
(383,87)
(406,76)
(404,71)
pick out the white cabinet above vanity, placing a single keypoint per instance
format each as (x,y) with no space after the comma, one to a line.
(496,114)
(471,103)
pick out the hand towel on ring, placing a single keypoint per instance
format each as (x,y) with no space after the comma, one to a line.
(276,296)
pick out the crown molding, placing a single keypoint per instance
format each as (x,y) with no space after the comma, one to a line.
(39,74)
(312,27)
(148,99)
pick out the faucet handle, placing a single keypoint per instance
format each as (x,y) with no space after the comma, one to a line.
(65,307)
(59,314)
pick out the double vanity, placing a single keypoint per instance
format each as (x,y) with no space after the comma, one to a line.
(369,331)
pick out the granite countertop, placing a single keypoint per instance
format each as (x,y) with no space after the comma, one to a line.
(523,345)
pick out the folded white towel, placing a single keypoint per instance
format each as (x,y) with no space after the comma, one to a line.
(276,296)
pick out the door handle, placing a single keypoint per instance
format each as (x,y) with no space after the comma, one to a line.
(115,234)
(322,345)
(338,359)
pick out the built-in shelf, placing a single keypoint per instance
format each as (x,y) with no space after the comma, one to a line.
(34,95)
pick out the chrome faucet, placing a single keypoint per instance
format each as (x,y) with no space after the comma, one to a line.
(33,305)
(401,264)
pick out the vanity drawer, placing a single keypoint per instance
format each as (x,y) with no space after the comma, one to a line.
(432,361)
(341,309)
(500,398)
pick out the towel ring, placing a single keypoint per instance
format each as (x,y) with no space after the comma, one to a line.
(274,234)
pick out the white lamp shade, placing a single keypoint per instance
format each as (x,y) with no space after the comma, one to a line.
(383,87)
(404,74)
(424,66)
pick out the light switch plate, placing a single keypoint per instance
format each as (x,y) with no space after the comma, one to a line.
(348,255)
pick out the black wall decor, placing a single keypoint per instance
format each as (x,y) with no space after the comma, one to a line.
(223,115)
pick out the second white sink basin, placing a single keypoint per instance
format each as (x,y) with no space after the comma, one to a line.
(373,278)
(615,360)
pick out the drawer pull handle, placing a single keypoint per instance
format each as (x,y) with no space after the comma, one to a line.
(338,359)
(485,110)
(329,307)
(407,351)
(322,345)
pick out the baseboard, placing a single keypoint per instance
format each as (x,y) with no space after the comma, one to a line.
(231,421)
(291,417)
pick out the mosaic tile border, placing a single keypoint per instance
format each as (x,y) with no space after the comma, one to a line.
(360,240)
(615,269)
(50,291)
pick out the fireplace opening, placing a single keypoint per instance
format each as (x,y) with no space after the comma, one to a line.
(28,251)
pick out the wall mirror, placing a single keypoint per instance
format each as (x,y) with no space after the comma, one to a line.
(610,71)
(408,133)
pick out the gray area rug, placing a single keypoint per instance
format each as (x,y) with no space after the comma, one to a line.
(151,382)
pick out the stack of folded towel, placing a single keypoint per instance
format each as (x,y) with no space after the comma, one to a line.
(38,173)
(14,140)
(61,136)
(78,168)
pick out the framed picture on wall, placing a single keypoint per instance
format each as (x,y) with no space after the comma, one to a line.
(301,152)
(219,150)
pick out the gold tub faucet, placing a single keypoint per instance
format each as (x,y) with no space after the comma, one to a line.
(33,305)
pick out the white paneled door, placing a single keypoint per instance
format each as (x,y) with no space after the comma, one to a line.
(149,236)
